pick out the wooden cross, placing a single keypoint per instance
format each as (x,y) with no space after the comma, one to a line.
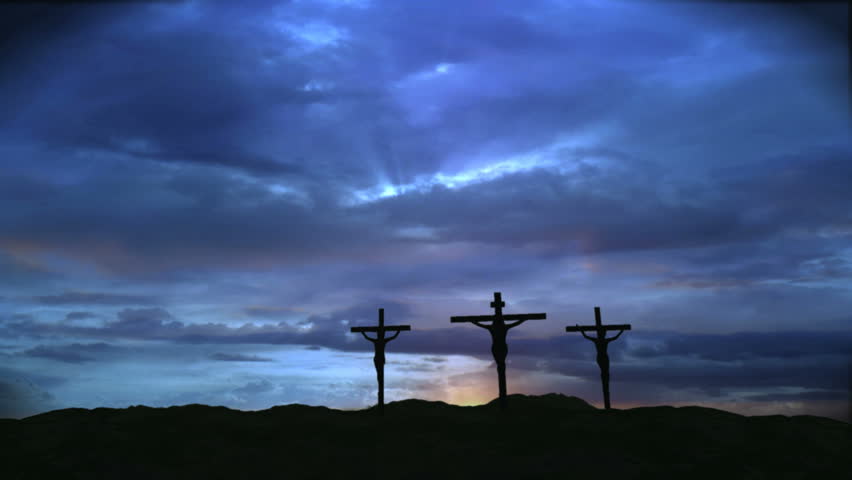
(379,346)
(601,343)
(498,329)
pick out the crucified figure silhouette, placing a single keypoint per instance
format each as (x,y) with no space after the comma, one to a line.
(498,328)
(499,347)
(379,357)
(379,347)
(601,343)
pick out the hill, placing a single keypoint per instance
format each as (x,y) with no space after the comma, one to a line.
(539,437)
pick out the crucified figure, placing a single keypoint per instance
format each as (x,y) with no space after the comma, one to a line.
(379,346)
(499,349)
(601,343)
(498,328)
(379,358)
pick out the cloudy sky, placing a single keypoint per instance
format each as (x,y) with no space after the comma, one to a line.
(198,199)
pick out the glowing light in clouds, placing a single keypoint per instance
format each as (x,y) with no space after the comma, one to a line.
(550,157)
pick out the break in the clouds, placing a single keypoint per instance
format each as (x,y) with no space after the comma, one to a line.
(199,200)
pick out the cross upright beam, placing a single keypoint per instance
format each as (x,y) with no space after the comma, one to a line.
(498,328)
(379,347)
(601,343)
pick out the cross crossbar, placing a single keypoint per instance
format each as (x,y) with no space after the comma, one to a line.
(594,328)
(490,318)
(396,328)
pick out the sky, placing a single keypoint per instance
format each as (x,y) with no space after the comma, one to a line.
(198,199)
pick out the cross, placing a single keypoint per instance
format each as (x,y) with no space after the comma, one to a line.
(498,329)
(379,346)
(601,343)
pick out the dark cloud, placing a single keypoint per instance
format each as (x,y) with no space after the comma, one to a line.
(818,25)
(435,359)
(163,94)
(750,345)
(753,208)
(766,306)
(181,107)
(154,103)
(158,324)
(79,315)
(713,364)
(237,357)
(805,189)
(330,331)
(419,368)
(446,341)
(60,355)
(73,353)
(169,217)
(253,388)
(804,396)
(92,298)
(143,321)
(29,29)
(232,219)
(267,312)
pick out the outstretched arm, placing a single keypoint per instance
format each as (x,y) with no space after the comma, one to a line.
(584,334)
(395,334)
(514,324)
(368,338)
(613,338)
(480,324)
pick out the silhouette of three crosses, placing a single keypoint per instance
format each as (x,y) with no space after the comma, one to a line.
(499,348)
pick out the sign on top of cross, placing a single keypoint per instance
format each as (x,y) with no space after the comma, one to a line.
(498,329)
(498,304)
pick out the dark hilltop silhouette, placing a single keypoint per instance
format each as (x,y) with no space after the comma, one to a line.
(548,436)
